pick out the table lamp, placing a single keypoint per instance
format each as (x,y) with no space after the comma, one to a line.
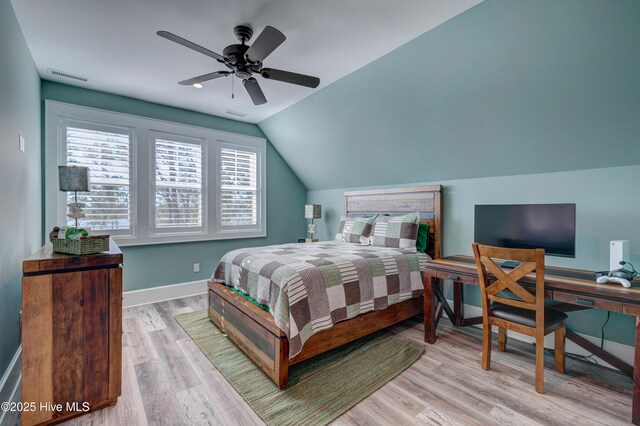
(312,211)
(74,179)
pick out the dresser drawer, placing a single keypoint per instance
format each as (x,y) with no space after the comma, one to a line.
(588,301)
(453,276)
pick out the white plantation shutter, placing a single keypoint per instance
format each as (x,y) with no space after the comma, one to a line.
(179,194)
(155,181)
(106,151)
(238,187)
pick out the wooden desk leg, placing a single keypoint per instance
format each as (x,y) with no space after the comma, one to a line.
(635,416)
(430,303)
(458,303)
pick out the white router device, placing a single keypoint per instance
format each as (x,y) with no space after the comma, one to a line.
(618,250)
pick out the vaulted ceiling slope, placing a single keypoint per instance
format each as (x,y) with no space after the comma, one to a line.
(114,44)
(505,88)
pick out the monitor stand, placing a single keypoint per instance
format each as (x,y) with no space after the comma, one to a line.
(510,264)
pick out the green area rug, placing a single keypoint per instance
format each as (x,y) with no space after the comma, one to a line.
(320,389)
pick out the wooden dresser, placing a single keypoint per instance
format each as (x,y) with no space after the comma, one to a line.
(71,334)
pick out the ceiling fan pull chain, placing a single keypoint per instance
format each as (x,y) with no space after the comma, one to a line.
(233,96)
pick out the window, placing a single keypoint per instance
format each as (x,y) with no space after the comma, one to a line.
(106,151)
(238,187)
(179,184)
(155,181)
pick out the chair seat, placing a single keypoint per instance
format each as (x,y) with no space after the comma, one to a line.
(526,316)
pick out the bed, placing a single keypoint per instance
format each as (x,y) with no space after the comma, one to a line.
(261,337)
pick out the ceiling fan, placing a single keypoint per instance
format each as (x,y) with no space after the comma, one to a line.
(243,61)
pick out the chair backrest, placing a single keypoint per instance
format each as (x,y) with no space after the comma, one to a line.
(532,260)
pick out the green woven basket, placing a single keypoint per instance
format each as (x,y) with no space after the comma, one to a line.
(88,245)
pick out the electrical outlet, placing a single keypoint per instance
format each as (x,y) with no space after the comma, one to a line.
(21,142)
(196,267)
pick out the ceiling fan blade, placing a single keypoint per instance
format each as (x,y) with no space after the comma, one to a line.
(268,40)
(290,77)
(203,78)
(254,91)
(189,44)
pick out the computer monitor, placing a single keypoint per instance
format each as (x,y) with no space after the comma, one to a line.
(548,226)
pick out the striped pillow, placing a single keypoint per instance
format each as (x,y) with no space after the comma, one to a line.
(396,231)
(355,229)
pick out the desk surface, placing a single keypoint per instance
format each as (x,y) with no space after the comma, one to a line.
(571,280)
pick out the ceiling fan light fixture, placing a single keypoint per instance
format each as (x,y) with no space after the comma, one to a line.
(198,85)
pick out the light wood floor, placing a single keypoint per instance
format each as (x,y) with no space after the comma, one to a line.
(168,381)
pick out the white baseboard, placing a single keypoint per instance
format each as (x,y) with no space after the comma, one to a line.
(11,380)
(162,293)
(624,352)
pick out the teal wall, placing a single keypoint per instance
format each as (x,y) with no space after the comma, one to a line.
(20,214)
(156,265)
(600,217)
(535,97)
(507,87)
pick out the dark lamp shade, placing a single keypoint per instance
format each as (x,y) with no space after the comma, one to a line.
(74,178)
(312,211)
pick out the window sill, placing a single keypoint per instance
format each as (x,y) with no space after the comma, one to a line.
(174,239)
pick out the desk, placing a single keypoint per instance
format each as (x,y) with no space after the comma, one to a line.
(575,289)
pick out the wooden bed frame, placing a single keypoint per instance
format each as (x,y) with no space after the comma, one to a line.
(254,331)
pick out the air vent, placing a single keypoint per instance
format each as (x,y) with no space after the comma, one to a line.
(236,113)
(67,75)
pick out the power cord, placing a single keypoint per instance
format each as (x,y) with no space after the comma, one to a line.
(602,330)
(633,270)
(587,358)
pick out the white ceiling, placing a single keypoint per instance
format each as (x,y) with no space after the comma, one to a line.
(114,43)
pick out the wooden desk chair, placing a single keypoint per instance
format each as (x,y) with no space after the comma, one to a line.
(526,314)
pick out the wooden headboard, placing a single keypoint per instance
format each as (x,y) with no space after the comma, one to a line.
(427,200)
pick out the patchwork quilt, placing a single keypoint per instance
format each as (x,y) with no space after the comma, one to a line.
(310,287)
